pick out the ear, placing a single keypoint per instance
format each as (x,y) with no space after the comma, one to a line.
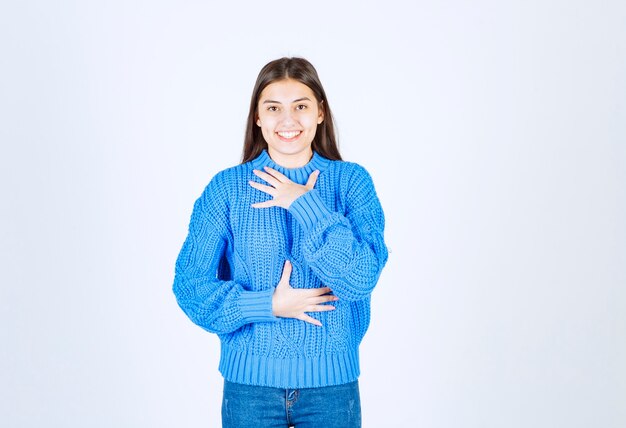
(258,122)
(320,116)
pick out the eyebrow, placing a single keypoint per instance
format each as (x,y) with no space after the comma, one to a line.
(294,101)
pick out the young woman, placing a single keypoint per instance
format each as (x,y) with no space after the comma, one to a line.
(282,255)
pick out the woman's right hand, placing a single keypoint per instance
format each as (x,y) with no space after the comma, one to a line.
(288,302)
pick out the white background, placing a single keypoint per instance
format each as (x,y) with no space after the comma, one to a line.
(496,136)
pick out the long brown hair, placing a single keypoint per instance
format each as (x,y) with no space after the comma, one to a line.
(324,142)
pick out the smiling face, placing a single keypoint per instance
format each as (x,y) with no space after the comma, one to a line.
(288,115)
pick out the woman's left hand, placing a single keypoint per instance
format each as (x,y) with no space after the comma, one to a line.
(282,189)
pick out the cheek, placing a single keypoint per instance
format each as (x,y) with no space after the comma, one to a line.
(310,122)
(267,132)
(267,123)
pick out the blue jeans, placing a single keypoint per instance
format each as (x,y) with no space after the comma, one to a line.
(245,406)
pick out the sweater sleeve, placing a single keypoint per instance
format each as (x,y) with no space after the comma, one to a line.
(209,298)
(347,252)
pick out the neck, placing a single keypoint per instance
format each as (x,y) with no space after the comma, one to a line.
(296,160)
(296,174)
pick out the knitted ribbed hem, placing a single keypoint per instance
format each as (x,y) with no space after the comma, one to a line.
(256,306)
(308,209)
(300,372)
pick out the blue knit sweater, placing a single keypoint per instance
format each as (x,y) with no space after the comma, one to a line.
(234,255)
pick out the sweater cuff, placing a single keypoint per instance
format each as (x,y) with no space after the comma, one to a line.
(308,209)
(256,306)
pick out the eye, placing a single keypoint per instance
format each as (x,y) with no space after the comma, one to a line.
(301,107)
(272,108)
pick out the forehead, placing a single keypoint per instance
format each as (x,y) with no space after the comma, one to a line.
(286,91)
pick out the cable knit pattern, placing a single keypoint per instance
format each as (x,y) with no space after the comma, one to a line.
(234,255)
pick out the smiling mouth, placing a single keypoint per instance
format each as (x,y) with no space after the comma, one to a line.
(288,135)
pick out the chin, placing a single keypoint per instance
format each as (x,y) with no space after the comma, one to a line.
(287,149)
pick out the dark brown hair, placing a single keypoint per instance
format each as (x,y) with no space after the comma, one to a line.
(324,142)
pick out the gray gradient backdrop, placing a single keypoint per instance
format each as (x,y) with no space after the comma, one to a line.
(496,136)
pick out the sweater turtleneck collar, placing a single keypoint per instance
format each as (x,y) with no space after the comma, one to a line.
(299,175)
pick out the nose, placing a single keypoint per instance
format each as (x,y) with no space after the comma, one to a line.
(288,119)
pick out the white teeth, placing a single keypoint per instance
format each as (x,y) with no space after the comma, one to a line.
(289,134)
